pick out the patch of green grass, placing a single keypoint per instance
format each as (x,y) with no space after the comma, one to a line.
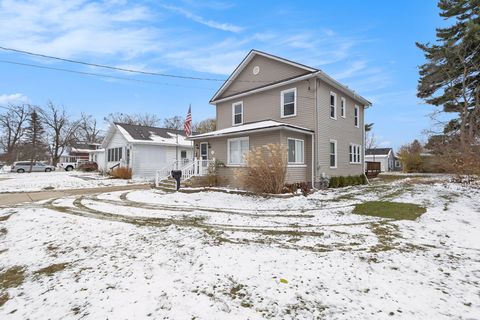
(51,269)
(12,277)
(390,210)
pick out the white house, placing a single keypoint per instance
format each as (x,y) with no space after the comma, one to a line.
(144,149)
(385,156)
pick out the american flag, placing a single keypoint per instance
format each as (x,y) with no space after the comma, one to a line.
(187,128)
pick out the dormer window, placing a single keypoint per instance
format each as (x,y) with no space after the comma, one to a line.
(237,113)
(288,103)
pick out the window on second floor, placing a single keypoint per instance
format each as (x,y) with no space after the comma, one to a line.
(295,151)
(343,107)
(333,105)
(357,116)
(288,102)
(237,113)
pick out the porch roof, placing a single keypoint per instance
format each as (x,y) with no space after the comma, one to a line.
(265,125)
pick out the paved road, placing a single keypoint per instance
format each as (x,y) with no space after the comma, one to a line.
(21,197)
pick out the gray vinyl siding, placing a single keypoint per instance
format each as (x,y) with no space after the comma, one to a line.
(266,106)
(270,71)
(342,130)
(294,174)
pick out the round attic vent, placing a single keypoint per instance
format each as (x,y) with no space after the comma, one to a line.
(256,70)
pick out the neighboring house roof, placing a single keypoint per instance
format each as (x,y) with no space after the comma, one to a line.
(378,151)
(148,135)
(252,127)
(309,72)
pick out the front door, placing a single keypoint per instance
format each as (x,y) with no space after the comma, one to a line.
(204,151)
(203,156)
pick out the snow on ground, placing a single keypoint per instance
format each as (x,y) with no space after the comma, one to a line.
(57,180)
(211,255)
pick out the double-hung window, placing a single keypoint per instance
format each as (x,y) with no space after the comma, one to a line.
(355,153)
(333,105)
(333,154)
(357,116)
(237,148)
(343,107)
(237,113)
(295,151)
(288,103)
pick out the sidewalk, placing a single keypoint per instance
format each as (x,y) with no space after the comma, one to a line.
(21,197)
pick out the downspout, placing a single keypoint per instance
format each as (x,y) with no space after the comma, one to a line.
(314,150)
(313,161)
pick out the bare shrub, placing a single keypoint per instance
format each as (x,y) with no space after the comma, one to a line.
(265,169)
(121,173)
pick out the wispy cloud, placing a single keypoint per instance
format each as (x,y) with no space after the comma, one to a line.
(14,98)
(199,19)
(77,28)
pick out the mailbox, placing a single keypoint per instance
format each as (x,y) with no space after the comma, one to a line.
(177,174)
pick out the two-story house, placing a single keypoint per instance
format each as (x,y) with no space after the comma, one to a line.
(268,99)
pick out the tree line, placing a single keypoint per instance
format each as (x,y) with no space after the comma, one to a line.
(44,133)
(450,80)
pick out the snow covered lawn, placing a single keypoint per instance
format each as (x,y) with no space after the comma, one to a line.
(153,255)
(57,180)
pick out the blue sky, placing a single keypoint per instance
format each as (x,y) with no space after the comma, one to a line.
(367,45)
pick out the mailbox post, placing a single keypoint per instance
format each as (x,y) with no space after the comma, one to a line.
(177,174)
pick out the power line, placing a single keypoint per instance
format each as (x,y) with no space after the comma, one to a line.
(119,78)
(92,74)
(150,73)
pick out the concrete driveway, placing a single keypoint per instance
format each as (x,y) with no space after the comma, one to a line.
(7,199)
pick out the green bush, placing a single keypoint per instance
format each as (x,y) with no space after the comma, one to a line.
(339,182)
(363,178)
(333,182)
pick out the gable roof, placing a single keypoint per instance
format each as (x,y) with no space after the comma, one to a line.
(378,151)
(309,72)
(247,59)
(251,127)
(148,135)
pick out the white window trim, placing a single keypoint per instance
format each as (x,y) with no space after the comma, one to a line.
(292,164)
(233,113)
(353,146)
(334,105)
(330,154)
(343,107)
(294,90)
(228,151)
(356,118)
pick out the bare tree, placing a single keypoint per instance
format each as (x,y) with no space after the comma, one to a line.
(175,122)
(60,130)
(142,119)
(88,130)
(12,125)
(370,141)
(205,126)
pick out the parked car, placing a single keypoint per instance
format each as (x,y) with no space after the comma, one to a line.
(24,166)
(69,166)
(88,166)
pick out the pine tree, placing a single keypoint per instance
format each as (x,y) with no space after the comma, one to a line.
(34,133)
(451,78)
